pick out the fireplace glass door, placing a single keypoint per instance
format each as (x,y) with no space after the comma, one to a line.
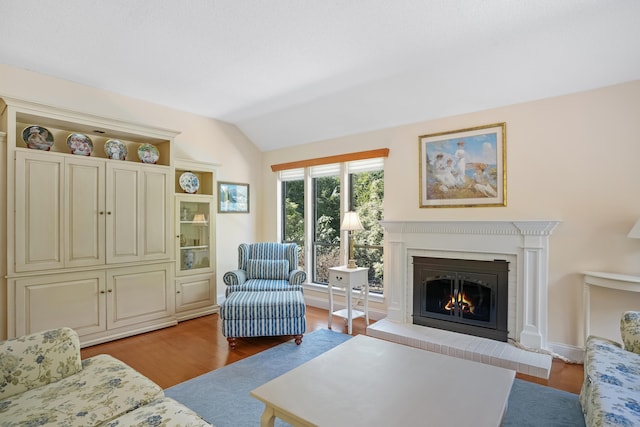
(460,297)
(466,296)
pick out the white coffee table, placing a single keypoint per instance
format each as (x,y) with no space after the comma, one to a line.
(371,382)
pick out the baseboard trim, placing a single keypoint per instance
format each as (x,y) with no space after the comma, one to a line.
(570,353)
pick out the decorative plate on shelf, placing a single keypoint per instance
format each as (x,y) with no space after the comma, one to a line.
(115,149)
(80,144)
(189,182)
(37,137)
(148,153)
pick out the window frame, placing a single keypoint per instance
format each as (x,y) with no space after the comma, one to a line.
(307,174)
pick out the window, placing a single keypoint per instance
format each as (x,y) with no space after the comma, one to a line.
(326,220)
(293,210)
(326,191)
(366,190)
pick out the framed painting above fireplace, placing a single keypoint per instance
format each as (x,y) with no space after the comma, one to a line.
(464,168)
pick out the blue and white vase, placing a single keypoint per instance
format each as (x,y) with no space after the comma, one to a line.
(187,259)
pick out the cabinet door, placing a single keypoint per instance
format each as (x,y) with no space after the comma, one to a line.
(195,292)
(139,294)
(39,242)
(138,213)
(156,214)
(85,217)
(194,228)
(76,300)
(123,209)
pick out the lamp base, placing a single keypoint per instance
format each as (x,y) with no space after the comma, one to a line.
(352,264)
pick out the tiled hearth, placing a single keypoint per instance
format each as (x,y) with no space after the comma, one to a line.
(468,347)
(524,244)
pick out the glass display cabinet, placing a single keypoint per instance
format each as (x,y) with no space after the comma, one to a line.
(194,233)
(195,255)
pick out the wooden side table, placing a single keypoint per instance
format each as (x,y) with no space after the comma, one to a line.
(347,279)
(623,282)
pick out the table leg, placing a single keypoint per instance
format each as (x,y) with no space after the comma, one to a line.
(268,417)
(586,307)
(349,309)
(366,303)
(330,305)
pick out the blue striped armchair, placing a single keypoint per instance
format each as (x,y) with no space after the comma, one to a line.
(266,266)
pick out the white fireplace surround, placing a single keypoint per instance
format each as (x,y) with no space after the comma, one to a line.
(524,244)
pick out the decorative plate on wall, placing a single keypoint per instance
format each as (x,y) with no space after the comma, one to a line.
(148,153)
(37,137)
(80,144)
(189,182)
(115,149)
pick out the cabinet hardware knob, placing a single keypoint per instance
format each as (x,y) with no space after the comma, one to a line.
(102,292)
(101,212)
(109,290)
(177,292)
(108,212)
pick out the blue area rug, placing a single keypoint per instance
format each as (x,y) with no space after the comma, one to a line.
(222,396)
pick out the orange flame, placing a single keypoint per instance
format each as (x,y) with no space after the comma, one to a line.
(461,301)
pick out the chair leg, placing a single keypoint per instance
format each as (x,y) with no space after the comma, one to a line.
(298,339)
(232,342)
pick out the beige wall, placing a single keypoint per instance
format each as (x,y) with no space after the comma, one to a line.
(201,139)
(572,158)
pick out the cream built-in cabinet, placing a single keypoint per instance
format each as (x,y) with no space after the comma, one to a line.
(70,205)
(89,240)
(195,284)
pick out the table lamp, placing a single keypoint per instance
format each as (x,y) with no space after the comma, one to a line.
(635,231)
(351,222)
(200,221)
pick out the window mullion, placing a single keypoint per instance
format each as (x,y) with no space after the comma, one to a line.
(308,223)
(345,195)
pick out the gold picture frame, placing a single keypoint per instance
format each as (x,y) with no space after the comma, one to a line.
(464,168)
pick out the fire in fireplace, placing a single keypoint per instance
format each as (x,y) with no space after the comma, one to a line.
(466,296)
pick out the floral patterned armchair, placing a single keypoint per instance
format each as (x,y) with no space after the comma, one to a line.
(266,266)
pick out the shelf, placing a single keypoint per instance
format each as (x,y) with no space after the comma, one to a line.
(201,247)
(345,313)
(205,179)
(61,123)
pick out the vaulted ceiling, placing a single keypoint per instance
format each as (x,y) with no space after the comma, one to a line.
(288,72)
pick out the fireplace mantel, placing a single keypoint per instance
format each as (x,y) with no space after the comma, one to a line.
(524,228)
(524,243)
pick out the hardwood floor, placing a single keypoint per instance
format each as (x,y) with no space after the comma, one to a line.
(172,355)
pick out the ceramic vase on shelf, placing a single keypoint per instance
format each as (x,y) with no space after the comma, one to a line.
(187,259)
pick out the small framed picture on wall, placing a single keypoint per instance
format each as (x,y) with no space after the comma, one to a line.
(233,197)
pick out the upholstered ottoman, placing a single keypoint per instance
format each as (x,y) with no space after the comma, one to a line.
(263,314)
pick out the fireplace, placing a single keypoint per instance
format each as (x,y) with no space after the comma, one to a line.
(524,247)
(523,244)
(461,295)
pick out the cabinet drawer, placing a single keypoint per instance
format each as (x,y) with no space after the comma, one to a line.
(338,279)
(342,277)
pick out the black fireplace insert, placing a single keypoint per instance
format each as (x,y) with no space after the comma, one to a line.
(466,296)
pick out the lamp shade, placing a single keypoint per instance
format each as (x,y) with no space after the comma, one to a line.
(199,219)
(351,222)
(635,231)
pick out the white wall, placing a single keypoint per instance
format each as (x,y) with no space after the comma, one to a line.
(201,139)
(572,158)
